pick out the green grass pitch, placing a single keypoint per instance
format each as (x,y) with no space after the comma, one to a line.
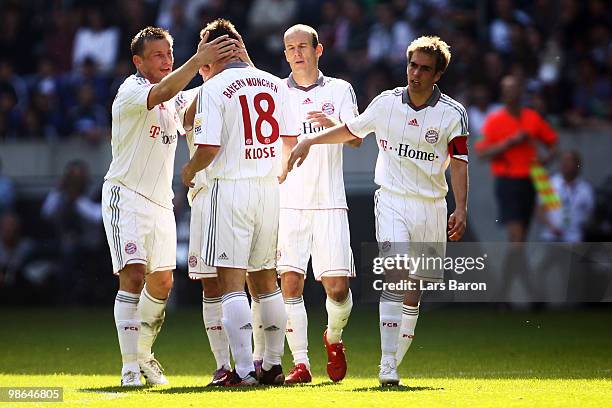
(465,357)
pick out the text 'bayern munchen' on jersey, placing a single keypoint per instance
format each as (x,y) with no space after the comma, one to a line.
(144,141)
(245,111)
(414,144)
(319,182)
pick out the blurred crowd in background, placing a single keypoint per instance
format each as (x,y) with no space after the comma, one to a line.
(63,61)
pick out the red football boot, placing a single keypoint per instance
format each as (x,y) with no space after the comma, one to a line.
(336,360)
(298,375)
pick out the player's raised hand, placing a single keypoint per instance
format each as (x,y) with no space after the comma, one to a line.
(321,119)
(456,225)
(220,47)
(242,52)
(187,176)
(299,154)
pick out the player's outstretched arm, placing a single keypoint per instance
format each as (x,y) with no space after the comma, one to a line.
(459,180)
(203,156)
(207,53)
(334,135)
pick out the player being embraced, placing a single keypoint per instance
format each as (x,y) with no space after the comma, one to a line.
(313,216)
(242,115)
(137,192)
(197,269)
(419,130)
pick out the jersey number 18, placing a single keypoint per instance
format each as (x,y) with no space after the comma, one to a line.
(263,115)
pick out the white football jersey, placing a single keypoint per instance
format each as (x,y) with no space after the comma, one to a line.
(200,180)
(414,144)
(244,111)
(144,141)
(319,183)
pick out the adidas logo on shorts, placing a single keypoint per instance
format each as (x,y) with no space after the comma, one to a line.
(223,257)
(271,328)
(247,327)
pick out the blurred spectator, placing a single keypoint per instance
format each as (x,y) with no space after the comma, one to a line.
(7,193)
(15,251)
(591,97)
(510,138)
(59,38)
(500,30)
(389,36)
(96,41)
(185,37)
(480,106)
(353,31)
(77,221)
(566,224)
(268,19)
(14,84)
(89,119)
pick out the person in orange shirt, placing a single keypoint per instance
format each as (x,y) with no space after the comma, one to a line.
(511,136)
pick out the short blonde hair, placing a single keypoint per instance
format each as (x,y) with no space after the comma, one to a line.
(432,45)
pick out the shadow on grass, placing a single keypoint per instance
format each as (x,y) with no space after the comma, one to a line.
(398,388)
(117,388)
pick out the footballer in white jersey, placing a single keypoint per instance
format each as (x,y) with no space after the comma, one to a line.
(137,193)
(419,132)
(313,217)
(243,113)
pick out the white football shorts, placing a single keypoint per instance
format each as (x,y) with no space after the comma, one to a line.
(323,234)
(241,224)
(137,230)
(197,269)
(411,226)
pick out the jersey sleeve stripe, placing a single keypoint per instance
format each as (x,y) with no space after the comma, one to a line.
(460,110)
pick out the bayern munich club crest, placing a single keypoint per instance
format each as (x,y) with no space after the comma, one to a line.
(328,108)
(130,248)
(431,136)
(193,261)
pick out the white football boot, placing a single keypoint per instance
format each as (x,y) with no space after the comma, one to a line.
(152,371)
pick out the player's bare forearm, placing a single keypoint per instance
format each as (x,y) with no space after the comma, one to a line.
(334,135)
(459,180)
(203,156)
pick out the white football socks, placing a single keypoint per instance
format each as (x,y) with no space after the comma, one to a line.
(259,340)
(239,329)
(337,317)
(410,315)
(390,310)
(297,330)
(128,328)
(219,344)
(152,312)
(274,318)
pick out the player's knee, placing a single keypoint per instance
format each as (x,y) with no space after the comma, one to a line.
(165,285)
(132,278)
(291,285)
(211,288)
(337,290)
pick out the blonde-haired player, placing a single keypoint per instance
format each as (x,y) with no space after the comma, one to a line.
(137,192)
(419,130)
